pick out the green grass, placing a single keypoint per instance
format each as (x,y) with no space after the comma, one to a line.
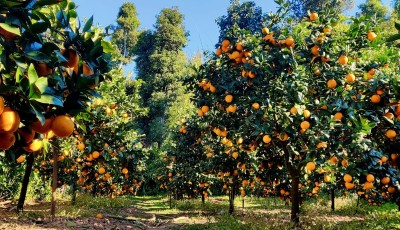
(258,213)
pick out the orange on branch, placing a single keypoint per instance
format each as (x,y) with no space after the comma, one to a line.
(9,120)
(7,140)
(35,146)
(39,128)
(375,99)
(347,178)
(62,126)
(343,60)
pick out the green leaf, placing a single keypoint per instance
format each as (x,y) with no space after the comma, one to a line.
(46,3)
(11,29)
(39,27)
(397,26)
(88,25)
(38,56)
(32,75)
(49,99)
(41,84)
(39,115)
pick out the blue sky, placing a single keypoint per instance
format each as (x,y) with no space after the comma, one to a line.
(199,15)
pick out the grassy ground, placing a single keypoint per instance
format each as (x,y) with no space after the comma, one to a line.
(155,213)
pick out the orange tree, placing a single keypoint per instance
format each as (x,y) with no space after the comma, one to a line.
(104,157)
(296,96)
(49,68)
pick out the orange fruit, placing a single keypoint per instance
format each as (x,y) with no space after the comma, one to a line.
(347,178)
(289,41)
(338,116)
(95,154)
(321,145)
(234,55)
(34,146)
(306,113)
(350,78)
(327,30)
(124,171)
(225,43)
(371,36)
(212,89)
(6,140)
(305,125)
(228,98)
(99,216)
(1,105)
(283,136)
(20,159)
(39,128)
(391,134)
(235,155)
(251,74)
(9,120)
(218,52)
(200,113)
(266,139)
(389,115)
(331,83)
(73,59)
(205,108)
(313,16)
(101,170)
(293,110)
(310,166)
(385,180)
(265,30)
(81,146)
(370,178)
(375,99)
(394,156)
(343,59)
(239,46)
(62,126)
(255,106)
(231,108)
(368,185)
(315,50)
(391,189)
(87,71)
(26,134)
(349,185)
(345,163)
(333,160)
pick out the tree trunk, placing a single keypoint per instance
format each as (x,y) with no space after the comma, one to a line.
(170,200)
(232,199)
(202,198)
(25,182)
(73,191)
(54,185)
(295,211)
(333,200)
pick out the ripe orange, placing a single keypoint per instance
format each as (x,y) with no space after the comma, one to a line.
(349,185)
(338,116)
(375,99)
(333,160)
(305,125)
(255,106)
(394,156)
(251,74)
(368,186)
(225,43)
(125,171)
(228,98)
(370,178)
(307,113)
(347,178)
(391,134)
(234,55)
(9,121)
(34,146)
(343,59)
(310,166)
(391,189)
(231,108)
(265,30)
(20,159)
(101,170)
(1,105)
(239,46)
(389,115)
(39,128)
(200,113)
(384,159)
(289,41)
(385,180)
(81,146)
(218,52)
(266,139)
(99,216)
(350,78)
(26,134)
(293,110)
(73,59)
(327,30)
(331,83)
(95,154)
(315,50)
(205,108)
(313,16)
(345,163)
(235,155)
(321,145)
(212,89)
(6,140)
(371,36)
(62,126)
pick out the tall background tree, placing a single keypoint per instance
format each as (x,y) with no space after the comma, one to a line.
(374,7)
(126,35)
